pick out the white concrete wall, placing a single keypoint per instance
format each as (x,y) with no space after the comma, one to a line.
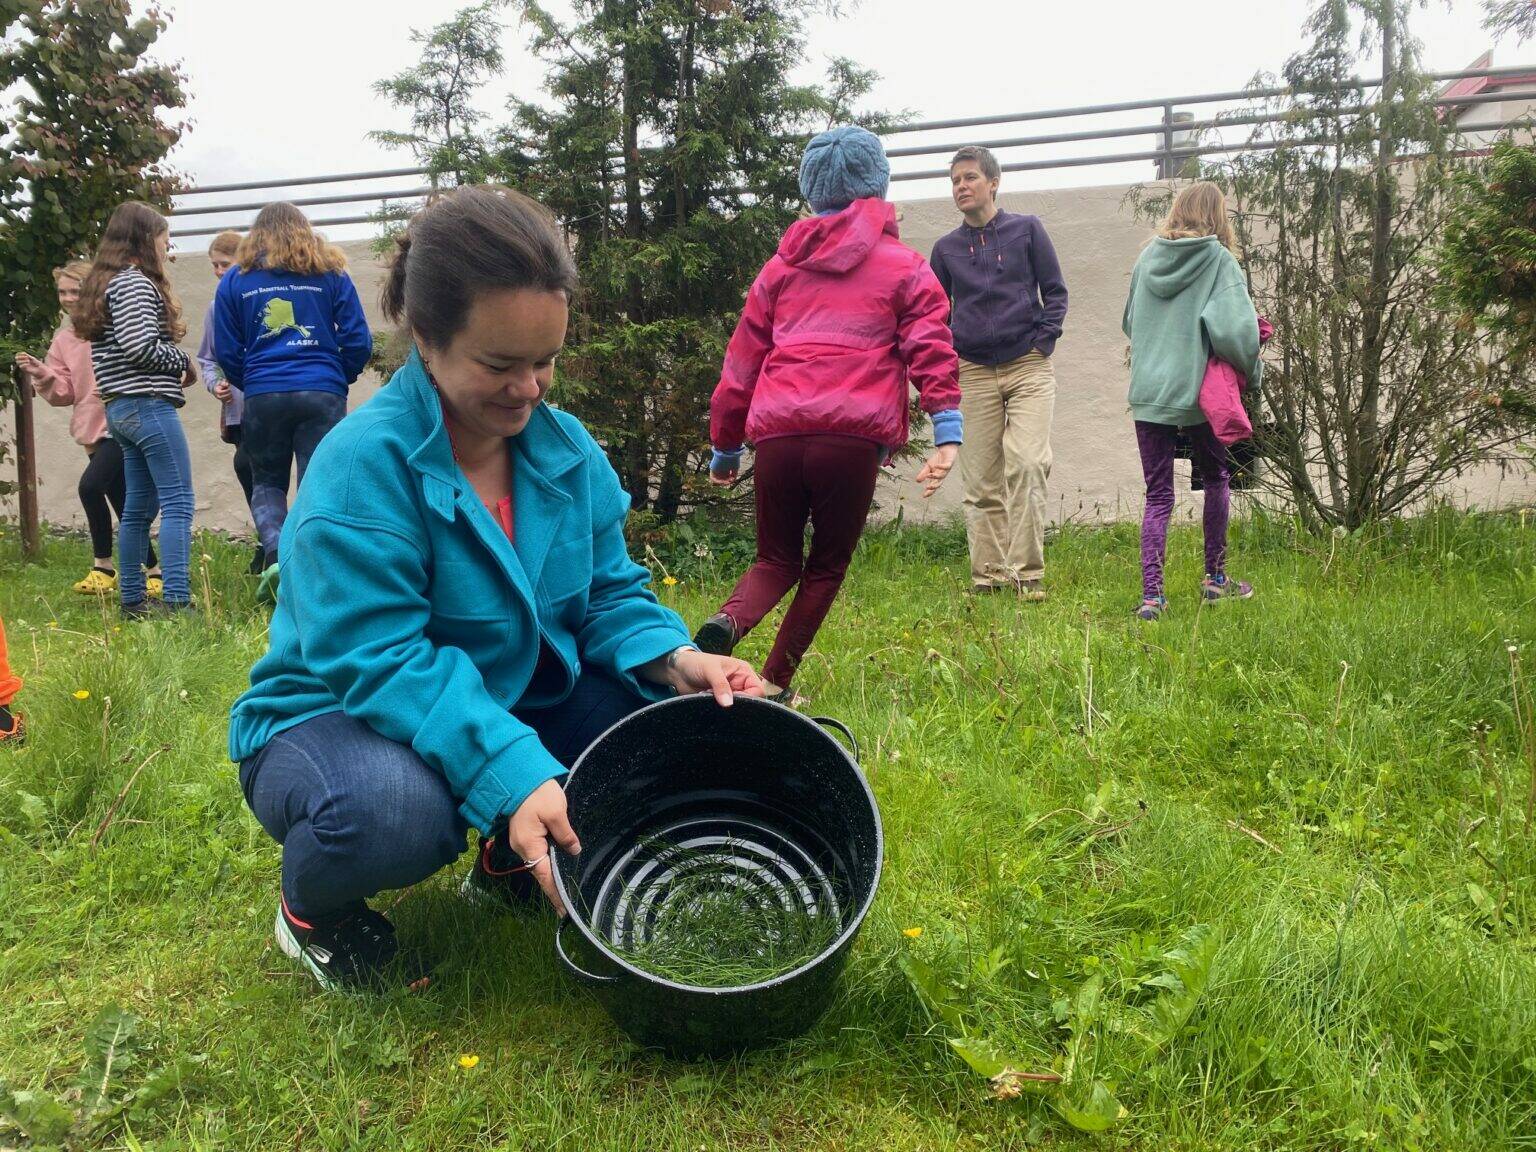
(1096,474)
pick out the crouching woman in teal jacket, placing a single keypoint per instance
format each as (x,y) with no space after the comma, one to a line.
(459,617)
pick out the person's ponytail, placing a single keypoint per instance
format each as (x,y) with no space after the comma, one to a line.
(392,298)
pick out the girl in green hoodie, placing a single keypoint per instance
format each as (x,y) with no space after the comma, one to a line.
(1188,302)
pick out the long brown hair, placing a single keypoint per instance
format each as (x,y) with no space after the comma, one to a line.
(1199,209)
(127,242)
(281,239)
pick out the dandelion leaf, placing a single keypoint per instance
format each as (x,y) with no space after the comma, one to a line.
(937,996)
(1094,1111)
(39,1114)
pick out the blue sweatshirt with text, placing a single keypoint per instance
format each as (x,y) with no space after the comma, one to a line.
(276,331)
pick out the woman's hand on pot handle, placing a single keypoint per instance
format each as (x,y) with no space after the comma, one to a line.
(936,467)
(688,670)
(538,820)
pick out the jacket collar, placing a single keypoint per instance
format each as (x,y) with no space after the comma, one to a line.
(544,448)
(544,453)
(990,226)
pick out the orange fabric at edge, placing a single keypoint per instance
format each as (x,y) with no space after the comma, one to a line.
(10,684)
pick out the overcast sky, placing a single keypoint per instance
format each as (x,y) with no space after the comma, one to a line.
(288,93)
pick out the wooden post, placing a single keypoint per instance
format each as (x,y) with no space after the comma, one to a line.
(26,469)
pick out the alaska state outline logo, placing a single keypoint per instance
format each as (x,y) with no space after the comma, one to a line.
(277,317)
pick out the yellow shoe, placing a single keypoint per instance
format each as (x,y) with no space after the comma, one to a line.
(154,587)
(97,583)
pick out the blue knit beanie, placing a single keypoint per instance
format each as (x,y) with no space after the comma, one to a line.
(841,166)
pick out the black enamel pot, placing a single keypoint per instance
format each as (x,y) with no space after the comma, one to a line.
(798,825)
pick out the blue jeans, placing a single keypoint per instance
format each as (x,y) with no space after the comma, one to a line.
(356,813)
(157,471)
(277,429)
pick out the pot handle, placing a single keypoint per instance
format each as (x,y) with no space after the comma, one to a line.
(570,965)
(838,725)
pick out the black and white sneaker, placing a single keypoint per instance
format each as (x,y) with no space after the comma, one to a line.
(499,878)
(351,952)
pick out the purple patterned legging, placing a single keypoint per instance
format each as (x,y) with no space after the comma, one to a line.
(1156,442)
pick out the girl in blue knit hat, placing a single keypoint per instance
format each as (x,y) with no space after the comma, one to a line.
(836,325)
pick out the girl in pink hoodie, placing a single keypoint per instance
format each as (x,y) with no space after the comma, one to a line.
(66,380)
(836,325)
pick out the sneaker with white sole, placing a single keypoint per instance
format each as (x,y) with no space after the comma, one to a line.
(351,952)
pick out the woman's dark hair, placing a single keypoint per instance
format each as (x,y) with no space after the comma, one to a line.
(470,241)
(981,157)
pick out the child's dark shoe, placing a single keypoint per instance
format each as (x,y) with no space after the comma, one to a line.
(13,728)
(499,878)
(718,635)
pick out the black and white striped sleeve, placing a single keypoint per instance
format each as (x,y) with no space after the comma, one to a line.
(134,306)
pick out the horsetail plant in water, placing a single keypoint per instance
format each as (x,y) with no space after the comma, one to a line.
(713,926)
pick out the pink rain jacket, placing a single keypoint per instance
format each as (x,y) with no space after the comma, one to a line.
(835,325)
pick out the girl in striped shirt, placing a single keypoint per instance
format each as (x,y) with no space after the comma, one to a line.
(128,312)
(66,378)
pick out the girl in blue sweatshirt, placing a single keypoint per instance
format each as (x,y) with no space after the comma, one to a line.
(290,333)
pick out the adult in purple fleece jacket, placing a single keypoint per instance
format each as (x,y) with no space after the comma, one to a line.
(1008,302)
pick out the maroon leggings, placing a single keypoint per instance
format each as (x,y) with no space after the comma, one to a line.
(830,481)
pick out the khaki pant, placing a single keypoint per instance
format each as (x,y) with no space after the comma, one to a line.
(1004,464)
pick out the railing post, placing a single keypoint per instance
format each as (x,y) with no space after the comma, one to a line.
(1165,162)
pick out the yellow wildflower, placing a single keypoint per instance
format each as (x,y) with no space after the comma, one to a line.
(669,580)
(82,694)
(468,1061)
(912,933)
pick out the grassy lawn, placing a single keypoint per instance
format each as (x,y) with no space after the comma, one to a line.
(1260,875)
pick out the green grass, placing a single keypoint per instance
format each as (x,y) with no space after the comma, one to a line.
(1263,872)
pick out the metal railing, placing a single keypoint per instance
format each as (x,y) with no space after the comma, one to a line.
(1169,154)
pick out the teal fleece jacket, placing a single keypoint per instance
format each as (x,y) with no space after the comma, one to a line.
(1188,302)
(404,605)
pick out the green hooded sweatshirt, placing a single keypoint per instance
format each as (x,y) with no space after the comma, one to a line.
(1188,302)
